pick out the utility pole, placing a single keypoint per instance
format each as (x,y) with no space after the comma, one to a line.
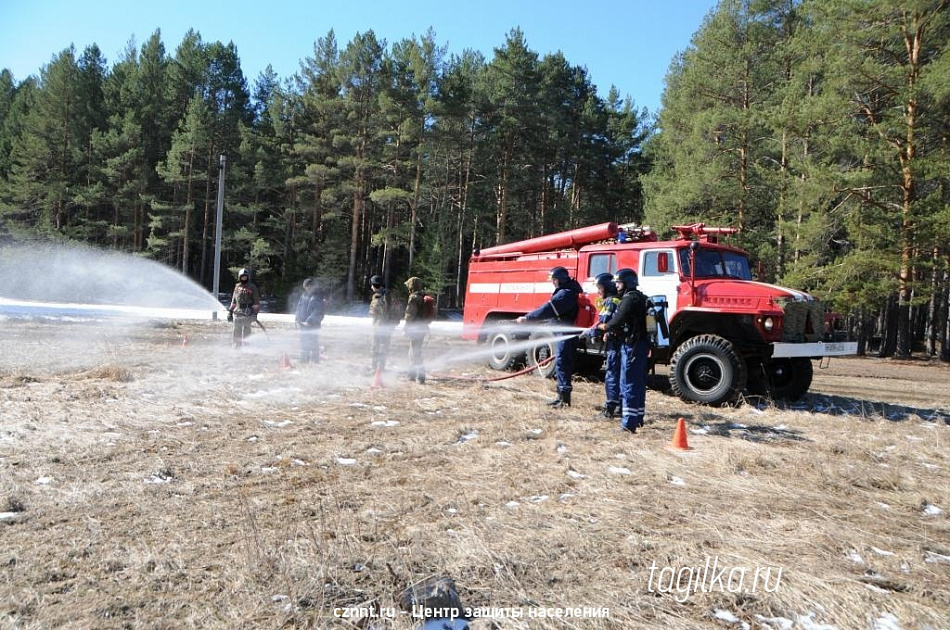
(219,225)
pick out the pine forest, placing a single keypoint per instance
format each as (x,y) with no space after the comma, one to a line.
(821,128)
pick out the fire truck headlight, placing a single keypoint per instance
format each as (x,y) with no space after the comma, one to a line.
(768,323)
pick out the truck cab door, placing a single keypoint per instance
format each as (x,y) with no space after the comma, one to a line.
(659,275)
(591,265)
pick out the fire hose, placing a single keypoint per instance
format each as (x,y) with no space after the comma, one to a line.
(483,379)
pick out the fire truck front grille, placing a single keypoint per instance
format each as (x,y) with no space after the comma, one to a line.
(803,321)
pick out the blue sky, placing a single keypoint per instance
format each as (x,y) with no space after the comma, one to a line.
(626,43)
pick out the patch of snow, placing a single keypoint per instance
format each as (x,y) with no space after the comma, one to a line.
(807,622)
(876,589)
(883,506)
(7,515)
(737,425)
(358,405)
(345,461)
(778,623)
(882,552)
(617,470)
(703,430)
(535,431)
(676,481)
(373,451)
(564,496)
(184,424)
(278,425)
(158,479)
(44,481)
(929,466)
(268,469)
(932,510)
(271,392)
(905,568)
(299,462)
(379,408)
(887,621)
(279,598)
(384,423)
(451,511)
(252,439)
(562,448)
(512,504)
(502,443)
(573,474)
(468,437)
(539,498)
(914,438)
(855,557)
(728,617)
(933,557)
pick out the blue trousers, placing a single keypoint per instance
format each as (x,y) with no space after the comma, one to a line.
(634,362)
(564,353)
(310,345)
(612,374)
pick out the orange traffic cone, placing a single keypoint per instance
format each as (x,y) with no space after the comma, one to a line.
(285,362)
(378,380)
(679,436)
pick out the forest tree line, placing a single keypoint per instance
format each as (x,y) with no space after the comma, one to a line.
(818,127)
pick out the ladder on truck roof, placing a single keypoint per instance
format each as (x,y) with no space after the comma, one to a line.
(572,239)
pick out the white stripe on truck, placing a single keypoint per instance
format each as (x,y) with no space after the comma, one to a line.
(511,287)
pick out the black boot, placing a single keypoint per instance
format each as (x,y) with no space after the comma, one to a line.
(563,400)
(609,410)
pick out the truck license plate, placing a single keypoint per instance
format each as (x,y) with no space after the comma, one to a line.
(834,347)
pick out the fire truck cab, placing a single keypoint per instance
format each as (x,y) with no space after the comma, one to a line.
(726,333)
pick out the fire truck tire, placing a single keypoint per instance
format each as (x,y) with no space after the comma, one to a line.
(707,369)
(782,379)
(541,350)
(501,356)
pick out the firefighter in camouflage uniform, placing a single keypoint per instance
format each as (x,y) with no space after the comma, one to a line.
(381,309)
(417,327)
(245,305)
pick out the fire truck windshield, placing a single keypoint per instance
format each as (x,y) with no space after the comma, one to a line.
(714,263)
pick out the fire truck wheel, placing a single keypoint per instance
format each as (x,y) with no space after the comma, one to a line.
(783,379)
(707,369)
(502,357)
(541,350)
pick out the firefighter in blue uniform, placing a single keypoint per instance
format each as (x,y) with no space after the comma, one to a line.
(607,303)
(629,326)
(560,310)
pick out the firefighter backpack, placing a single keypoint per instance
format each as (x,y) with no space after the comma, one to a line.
(429,308)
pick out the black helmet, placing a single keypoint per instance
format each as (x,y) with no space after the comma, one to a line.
(376,281)
(606,280)
(560,274)
(627,277)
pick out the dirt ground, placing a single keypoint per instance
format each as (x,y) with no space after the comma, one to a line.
(152,477)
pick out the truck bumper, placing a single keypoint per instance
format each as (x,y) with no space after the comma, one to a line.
(814,350)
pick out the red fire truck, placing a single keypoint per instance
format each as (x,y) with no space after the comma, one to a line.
(726,333)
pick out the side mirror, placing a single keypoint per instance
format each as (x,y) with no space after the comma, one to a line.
(663,262)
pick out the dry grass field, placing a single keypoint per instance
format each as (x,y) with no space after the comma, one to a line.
(149,484)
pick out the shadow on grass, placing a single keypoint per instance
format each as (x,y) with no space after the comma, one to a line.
(830,405)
